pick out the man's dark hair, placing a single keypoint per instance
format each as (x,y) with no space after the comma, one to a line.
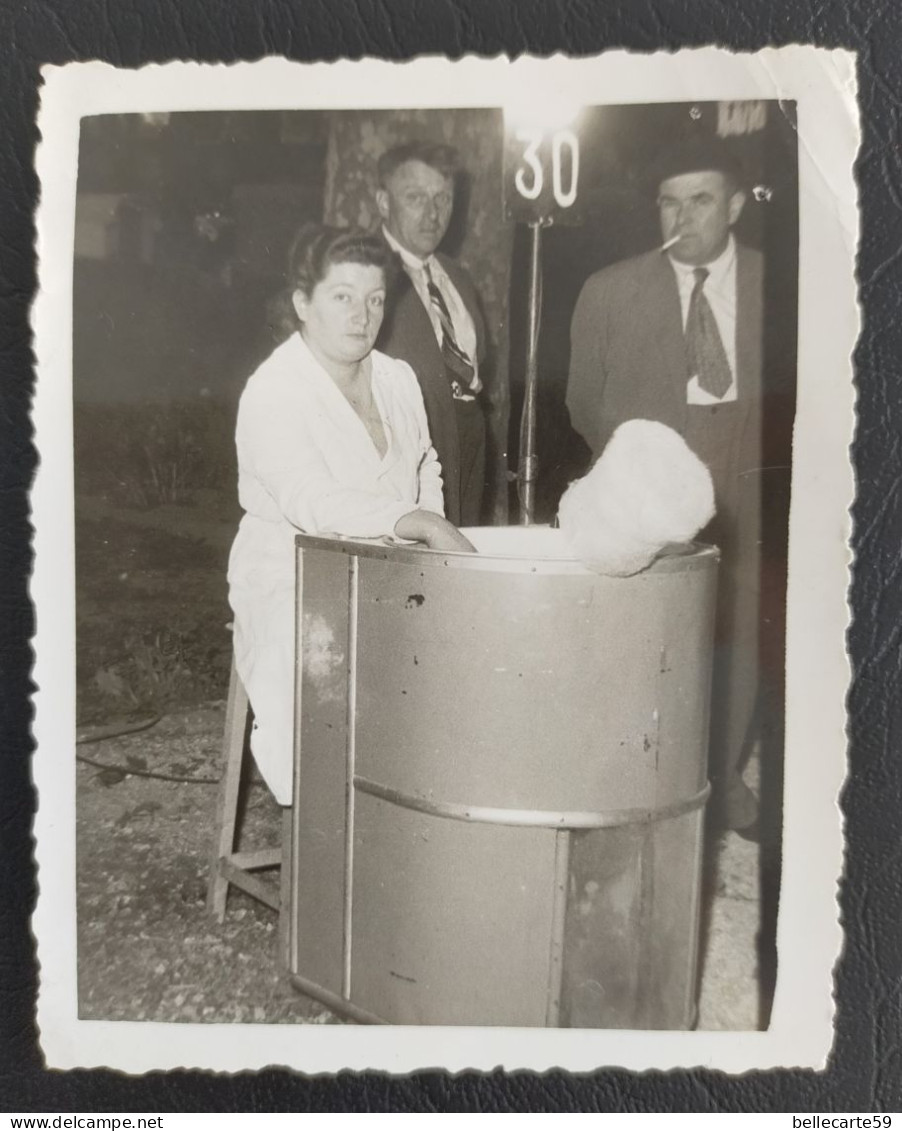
(443,158)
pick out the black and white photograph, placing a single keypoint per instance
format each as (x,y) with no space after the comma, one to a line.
(441,474)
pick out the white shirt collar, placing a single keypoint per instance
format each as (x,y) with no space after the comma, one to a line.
(718,269)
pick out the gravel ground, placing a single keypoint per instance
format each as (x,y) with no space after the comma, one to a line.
(148,950)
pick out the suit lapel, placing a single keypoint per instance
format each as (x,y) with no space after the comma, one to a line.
(668,386)
(406,298)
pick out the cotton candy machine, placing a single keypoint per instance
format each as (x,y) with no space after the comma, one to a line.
(500,781)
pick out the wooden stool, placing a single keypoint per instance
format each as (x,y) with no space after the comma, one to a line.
(230,867)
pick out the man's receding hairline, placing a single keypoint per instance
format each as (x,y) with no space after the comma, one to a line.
(444,159)
(449,177)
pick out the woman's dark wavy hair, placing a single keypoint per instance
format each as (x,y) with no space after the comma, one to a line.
(317,247)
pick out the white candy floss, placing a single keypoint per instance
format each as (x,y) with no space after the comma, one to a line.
(647,489)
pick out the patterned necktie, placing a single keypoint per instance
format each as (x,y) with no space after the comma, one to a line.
(459,367)
(705,354)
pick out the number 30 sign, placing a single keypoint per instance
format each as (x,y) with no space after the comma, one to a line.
(541,174)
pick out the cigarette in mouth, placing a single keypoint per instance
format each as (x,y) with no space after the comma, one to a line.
(670,242)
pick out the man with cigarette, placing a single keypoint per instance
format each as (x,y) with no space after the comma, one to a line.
(432,319)
(675,335)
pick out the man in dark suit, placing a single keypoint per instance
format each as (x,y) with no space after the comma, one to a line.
(676,336)
(432,317)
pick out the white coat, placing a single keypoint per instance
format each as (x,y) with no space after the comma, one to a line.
(307,463)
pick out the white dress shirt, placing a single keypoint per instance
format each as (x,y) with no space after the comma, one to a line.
(306,462)
(464,327)
(720,291)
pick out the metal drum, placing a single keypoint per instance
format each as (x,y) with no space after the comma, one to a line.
(500,779)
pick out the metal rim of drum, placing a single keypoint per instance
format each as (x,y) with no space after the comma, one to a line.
(674,558)
(539,818)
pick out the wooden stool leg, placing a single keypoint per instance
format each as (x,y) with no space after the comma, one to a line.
(227,807)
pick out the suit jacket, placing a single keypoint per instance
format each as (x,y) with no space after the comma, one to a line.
(407,333)
(627,361)
(627,354)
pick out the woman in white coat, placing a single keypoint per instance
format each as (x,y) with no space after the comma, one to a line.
(332,438)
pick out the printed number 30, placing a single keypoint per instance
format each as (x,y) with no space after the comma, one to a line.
(529,179)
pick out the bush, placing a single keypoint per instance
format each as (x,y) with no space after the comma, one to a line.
(165,668)
(152,454)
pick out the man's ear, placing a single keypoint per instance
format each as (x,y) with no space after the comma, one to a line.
(382,203)
(299,302)
(735,206)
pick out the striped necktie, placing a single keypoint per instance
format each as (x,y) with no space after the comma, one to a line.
(705,354)
(457,364)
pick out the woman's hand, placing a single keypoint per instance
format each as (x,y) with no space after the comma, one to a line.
(437,532)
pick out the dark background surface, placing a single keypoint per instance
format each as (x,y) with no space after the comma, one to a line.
(865,1069)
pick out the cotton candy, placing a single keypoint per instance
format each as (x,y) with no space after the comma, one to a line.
(646,490)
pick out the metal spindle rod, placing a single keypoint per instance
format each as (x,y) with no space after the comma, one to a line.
(528,464)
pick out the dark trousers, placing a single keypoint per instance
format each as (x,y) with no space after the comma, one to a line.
(716,434)
(471,431)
